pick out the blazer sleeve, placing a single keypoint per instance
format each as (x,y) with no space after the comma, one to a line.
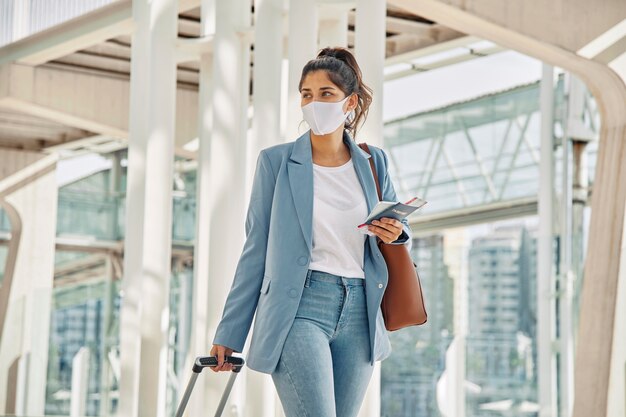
(389,194)
(243,297)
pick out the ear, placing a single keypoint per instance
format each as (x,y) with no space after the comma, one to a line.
(353,101)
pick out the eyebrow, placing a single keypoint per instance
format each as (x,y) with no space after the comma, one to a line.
(323,88)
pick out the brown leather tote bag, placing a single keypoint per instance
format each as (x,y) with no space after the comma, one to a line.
(403,303)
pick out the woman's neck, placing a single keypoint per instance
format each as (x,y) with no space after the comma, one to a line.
(329,150)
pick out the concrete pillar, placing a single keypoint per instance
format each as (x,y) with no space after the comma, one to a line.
(147,257)
(266,100)
(200,339)
(227,179)
(370,54)
(302,47)
(333,25)
(28,195)
(546,366)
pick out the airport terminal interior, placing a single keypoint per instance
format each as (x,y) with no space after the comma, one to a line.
(129,132)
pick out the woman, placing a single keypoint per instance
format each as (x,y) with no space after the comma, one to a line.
(314,280)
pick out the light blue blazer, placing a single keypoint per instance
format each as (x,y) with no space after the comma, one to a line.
(270,274)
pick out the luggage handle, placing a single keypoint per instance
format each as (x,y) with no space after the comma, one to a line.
(209,362)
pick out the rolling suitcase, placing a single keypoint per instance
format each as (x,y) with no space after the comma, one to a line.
(205,362)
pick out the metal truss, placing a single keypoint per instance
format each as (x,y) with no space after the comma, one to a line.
(458,171)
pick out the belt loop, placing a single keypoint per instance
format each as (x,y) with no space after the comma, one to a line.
(307,281)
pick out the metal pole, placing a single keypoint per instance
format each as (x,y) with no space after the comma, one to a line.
(186,395)
(225,394)
(545,252)
(80,382)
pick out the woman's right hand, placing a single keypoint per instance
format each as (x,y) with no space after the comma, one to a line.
(221,351)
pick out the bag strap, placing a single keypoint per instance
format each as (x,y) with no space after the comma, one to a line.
(366,148)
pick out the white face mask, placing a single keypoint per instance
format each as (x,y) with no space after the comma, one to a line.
(324,117)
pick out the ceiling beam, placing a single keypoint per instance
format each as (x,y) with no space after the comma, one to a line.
(75,34)
(81,32)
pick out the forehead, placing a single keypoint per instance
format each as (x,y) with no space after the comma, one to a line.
(317,79)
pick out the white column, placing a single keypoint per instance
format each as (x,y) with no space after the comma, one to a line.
(80,383)
(370,54)
(266,100)
(28,195)
(267,76)
(456,257)
(333,26)
(227,179)
(200,340)
(369,47)
(21,386)
(546,367)
(147,246)
(302,47)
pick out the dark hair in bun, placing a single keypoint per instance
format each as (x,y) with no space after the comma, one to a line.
(343,71)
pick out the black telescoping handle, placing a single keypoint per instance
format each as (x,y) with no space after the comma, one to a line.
(211,361)
(206,362)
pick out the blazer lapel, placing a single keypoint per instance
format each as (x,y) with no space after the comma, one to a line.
(361,161)
(300,172)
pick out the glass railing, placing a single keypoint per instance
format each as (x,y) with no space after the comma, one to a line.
(101,215)
(5,224)
(94,214)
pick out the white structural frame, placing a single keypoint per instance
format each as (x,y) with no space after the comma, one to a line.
(546,364)
(147,269)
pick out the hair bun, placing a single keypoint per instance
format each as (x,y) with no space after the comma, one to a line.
(338,53)
(342,54)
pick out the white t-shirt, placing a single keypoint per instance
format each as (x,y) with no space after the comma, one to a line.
(339,206)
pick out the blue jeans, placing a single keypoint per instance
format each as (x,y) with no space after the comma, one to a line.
(324,368)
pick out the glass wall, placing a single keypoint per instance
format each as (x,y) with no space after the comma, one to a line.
(93,207)
(85,318)
(477,354)
(479,286)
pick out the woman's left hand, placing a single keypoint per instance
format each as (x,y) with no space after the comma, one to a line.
(387,229)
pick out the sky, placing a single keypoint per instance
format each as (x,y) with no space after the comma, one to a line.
(402,97)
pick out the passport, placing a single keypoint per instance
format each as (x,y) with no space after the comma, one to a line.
(391,209)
